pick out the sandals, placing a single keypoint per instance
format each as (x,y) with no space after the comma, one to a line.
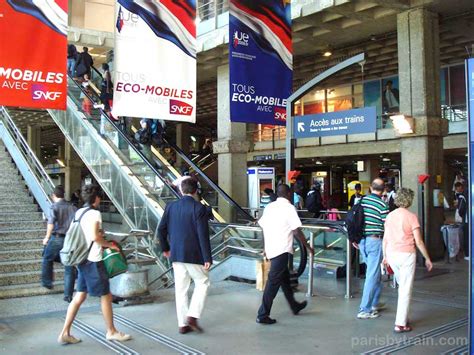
(402,329)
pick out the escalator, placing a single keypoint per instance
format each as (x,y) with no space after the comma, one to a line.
(139,183)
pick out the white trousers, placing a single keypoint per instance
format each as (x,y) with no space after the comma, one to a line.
(403,266)
(183,274)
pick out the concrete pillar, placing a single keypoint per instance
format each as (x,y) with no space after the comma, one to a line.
(182,140)
(372,169)
(33,138)
(422,152)
(72,176)
(231,147)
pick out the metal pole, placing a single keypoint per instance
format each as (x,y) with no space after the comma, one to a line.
(348,270)
(310,293)
(215,14)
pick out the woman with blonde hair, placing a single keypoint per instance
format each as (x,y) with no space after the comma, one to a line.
(402,234)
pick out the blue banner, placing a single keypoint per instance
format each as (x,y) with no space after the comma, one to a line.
(470,116)
(360,120)
(260,60)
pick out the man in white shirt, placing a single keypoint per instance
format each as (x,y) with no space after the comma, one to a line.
(280,223)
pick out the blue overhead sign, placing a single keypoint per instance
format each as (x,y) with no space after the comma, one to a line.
(360,120)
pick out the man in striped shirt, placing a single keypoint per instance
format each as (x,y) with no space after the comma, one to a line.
(375,212)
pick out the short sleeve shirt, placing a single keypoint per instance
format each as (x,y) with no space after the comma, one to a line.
(278,222)
(91,217)
(399,227)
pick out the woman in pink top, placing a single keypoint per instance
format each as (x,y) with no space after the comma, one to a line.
(333,214)
(402,235)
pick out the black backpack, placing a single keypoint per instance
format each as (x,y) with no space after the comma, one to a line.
(355,223)
(313,201)
(143,136)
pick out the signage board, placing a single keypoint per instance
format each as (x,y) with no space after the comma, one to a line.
(360,120)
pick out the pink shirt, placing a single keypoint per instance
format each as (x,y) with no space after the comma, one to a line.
(333,216)
(399,227)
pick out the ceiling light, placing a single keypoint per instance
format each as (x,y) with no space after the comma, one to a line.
(319,162)
(403,124)
(61,163)
(193,138)
(386,159)
(327,53)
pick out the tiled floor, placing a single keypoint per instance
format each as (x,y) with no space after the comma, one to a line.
(327,326)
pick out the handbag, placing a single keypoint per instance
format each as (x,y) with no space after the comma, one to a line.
(263,267)
(114,261)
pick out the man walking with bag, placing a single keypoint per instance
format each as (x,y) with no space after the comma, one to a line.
(59,219)
(184,239)
(280,224)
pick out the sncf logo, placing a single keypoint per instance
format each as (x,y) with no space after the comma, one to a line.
(280,113)
(40,93)
(180,108)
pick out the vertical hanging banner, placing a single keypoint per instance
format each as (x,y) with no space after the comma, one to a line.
(155,59)
(260,60)
(33,40)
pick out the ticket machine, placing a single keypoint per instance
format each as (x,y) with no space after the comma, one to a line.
(259,179)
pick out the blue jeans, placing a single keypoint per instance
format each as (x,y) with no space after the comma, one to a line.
(71,66)
(51,254)
(372,253)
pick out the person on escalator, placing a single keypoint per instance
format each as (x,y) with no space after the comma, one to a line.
(157,128)
(106,88)
(87,104)
(84,63)
(71,59)
(207,147)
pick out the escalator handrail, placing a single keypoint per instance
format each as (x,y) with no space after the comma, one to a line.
(208,180)
(18,137)
(194,167)
(127,140)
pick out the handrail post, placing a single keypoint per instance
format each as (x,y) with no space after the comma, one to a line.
(348,270)
(309,292)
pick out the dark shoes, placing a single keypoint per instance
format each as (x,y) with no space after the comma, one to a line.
(185,329)
(67,299)
(49,287)
(299,307)
(193,324)
(266,320)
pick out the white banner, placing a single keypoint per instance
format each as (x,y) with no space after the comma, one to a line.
(155,60)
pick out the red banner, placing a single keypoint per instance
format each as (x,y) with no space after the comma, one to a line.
(33,53)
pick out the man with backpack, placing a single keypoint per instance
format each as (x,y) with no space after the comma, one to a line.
(314,200)
(83,248)
(84,63)
(59,219)
(461,216)
(374,213)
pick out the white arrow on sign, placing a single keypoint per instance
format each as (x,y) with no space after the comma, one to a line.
(300,126)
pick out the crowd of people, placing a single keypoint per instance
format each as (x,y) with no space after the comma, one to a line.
(390,239)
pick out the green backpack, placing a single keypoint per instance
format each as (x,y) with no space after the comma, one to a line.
(75,249)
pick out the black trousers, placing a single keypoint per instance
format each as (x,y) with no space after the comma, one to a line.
(279,275)
(466,238)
